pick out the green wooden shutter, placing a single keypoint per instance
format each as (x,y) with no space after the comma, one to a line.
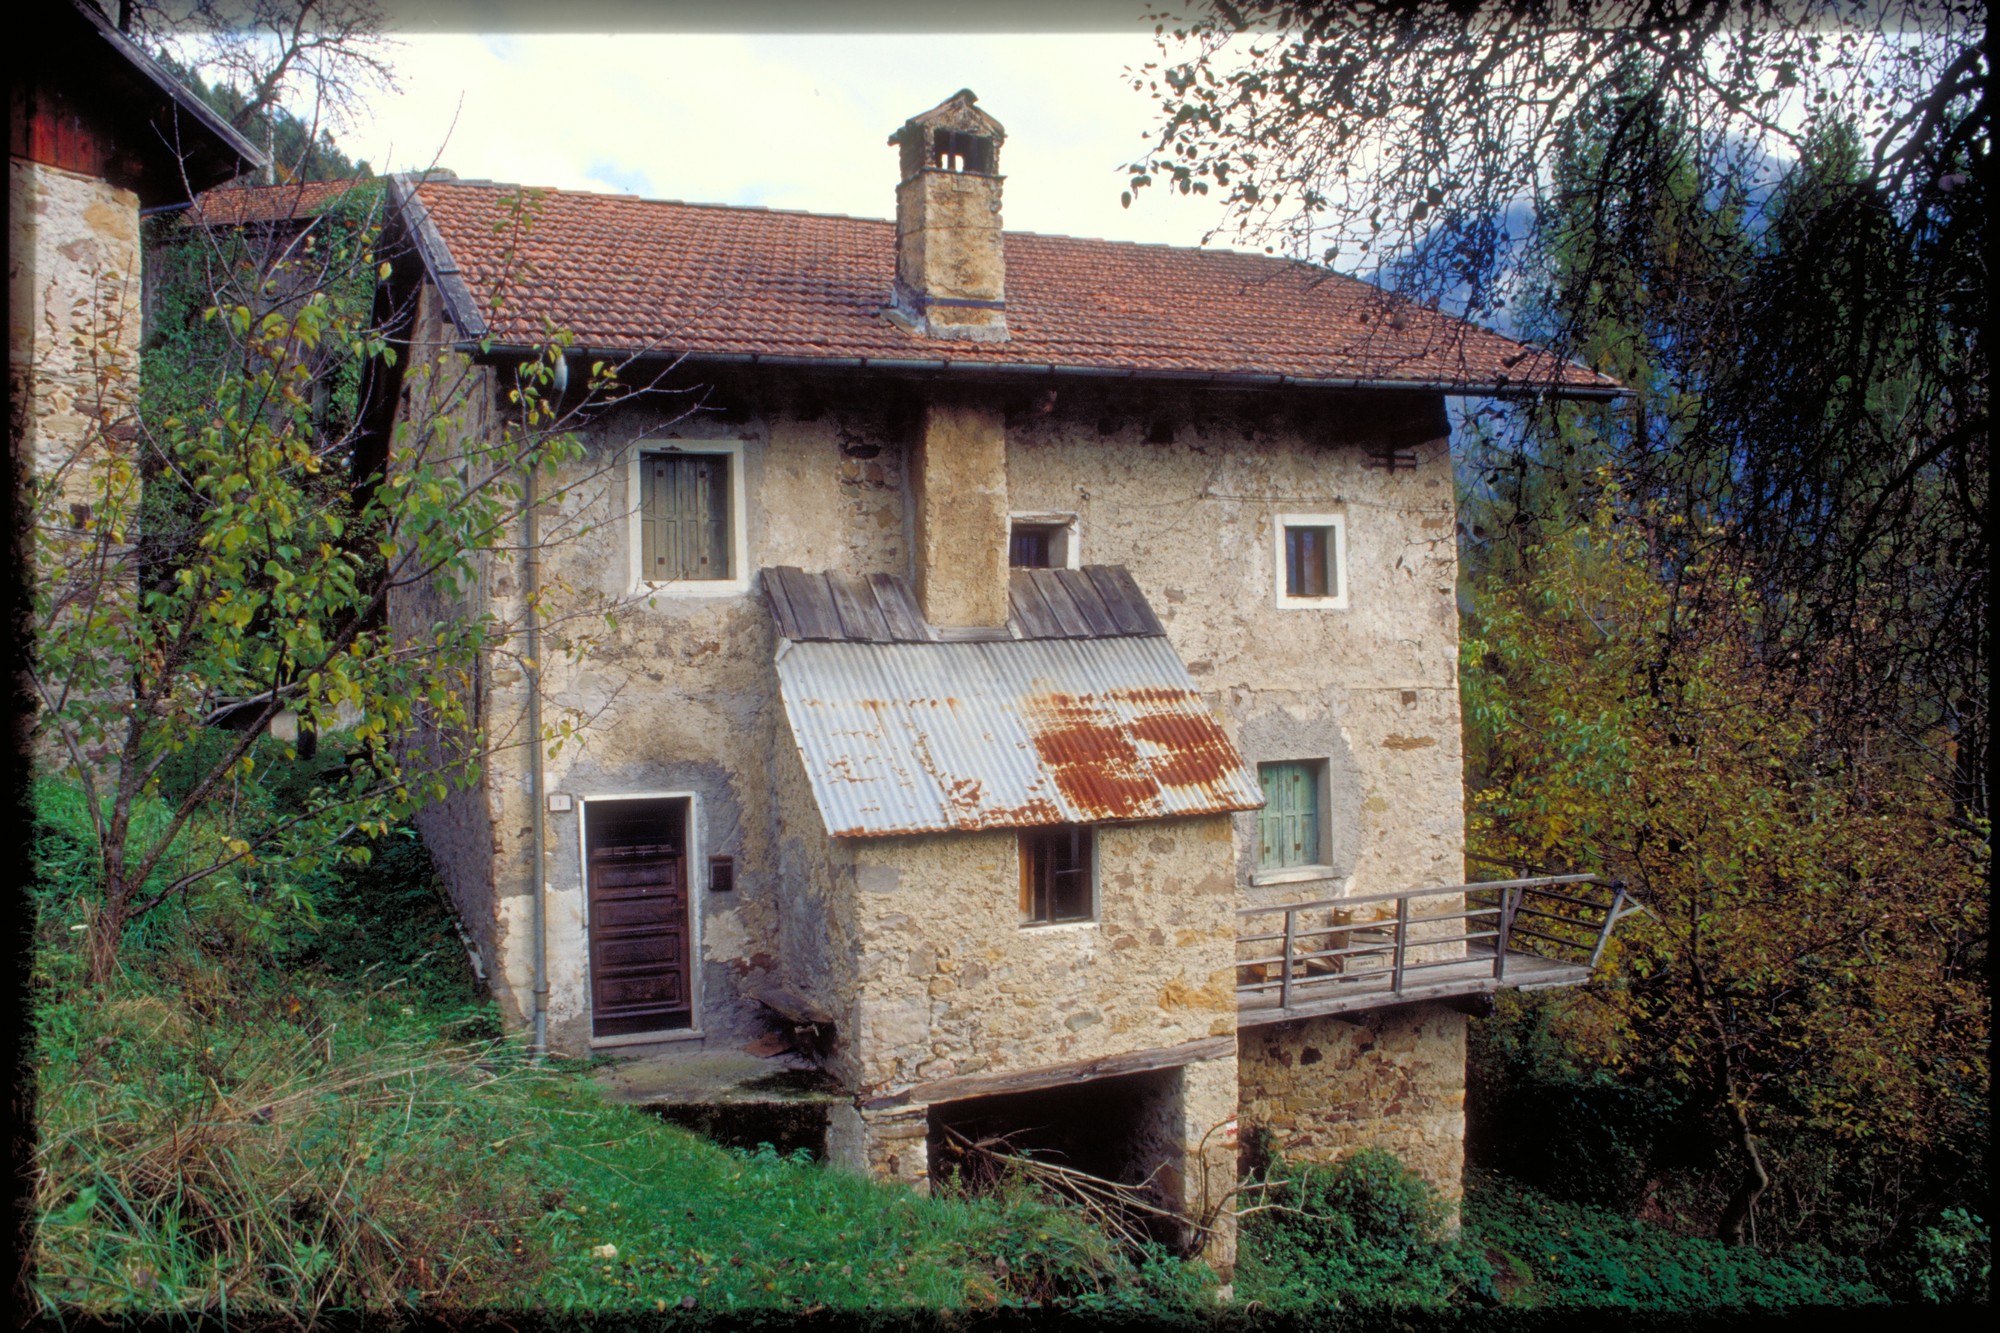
(684,517)
(1288,825)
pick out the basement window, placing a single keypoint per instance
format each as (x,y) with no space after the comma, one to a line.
(1058,875)
(1311,562)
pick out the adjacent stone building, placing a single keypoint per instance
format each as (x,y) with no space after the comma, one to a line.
(98,131)
(999,619)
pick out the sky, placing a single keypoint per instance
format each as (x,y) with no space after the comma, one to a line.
(795,121)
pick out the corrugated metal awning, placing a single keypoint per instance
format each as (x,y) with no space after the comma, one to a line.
(937,737)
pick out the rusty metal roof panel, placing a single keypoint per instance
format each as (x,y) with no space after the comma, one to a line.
(937,737)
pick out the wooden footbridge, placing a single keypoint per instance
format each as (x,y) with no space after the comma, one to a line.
(1341,955)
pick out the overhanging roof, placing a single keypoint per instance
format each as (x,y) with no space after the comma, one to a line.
(183,142)
(638,277)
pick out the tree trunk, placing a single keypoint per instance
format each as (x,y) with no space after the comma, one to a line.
(1736,1216)
(104,926)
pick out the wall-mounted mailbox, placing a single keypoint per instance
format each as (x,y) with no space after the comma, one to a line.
(721,874)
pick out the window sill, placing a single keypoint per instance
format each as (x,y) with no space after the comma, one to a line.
(1311,603)
(1048,927)
(1293,875)
(694,588)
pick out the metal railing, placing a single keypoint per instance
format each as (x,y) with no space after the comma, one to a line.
(1351,943)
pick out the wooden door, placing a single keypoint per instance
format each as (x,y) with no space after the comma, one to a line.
(639,931)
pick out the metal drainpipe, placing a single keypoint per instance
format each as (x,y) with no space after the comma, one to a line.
(538,873)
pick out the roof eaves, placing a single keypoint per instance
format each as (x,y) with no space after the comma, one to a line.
(180,94)
(460,305)
(1026,369)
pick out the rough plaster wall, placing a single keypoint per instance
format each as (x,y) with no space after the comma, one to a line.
(819,940)
(679,695)
(1373,688)
(951,984)
(914,943)
(1392,1078)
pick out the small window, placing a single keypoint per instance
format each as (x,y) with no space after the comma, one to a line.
(684,517)
(1311,561)
(1057,875)
(1288,827)
(1042,541)
(687,519)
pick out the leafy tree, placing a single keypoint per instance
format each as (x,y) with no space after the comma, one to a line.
(300,149)
(287,73)
(260,581)
(1814,954)
(1818,352)
(1730,640)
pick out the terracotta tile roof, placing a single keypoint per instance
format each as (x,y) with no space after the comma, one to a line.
(238,205)
(626,274)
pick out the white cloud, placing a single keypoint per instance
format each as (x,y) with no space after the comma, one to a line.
(779,121)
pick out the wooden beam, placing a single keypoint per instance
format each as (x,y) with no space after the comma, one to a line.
(1055,1076)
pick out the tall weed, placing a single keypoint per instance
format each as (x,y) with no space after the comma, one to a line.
(280,1157)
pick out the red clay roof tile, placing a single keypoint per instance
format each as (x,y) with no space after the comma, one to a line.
(238,205)
(625,274)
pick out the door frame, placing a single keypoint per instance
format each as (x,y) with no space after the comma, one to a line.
(697,886)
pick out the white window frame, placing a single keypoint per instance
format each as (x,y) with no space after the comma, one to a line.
(739,528)
(1338,524)
(697,867)
(1096,876)
(1072,544)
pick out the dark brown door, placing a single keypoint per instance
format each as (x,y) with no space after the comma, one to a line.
(638,941)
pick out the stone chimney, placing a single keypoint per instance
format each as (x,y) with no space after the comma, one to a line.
(951,265)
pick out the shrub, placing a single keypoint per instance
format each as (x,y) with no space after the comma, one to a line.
(1559,1254)
(1364,1232)
(1951,1261)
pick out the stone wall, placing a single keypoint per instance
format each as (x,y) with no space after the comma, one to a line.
(680,696)
(1391,1078)
(447,387)
(73,266)
(952,985)
(73,271)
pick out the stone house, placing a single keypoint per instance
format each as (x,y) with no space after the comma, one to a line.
(1035,676)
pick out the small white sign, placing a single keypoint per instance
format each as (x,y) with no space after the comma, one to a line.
(558,802)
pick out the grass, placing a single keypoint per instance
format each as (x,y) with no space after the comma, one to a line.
(336,1125)
(693,1226)
(273,1134)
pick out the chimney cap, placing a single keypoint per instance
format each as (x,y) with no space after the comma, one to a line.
(957,113)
